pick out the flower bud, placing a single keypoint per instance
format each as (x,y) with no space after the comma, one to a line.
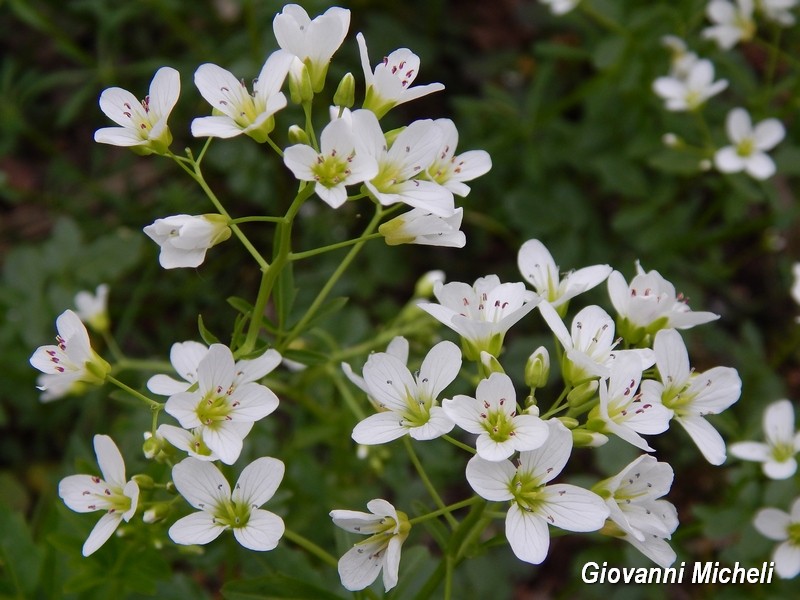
(569,422)
(346,92)
(298,135)
(157,512)
(537,369)
(425,284)
(587,439)
(300,88)
(145,482)
(583,393)
(489,365)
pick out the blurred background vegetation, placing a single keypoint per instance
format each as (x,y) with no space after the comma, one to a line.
(565,108)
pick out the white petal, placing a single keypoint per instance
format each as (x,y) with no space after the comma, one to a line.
(272,74)
(572,508)
(780,469)
(772,523)
(262,532)
(215,126)
(226,440)
(738,125)
(389,381)
(439,369)
(118,105)
(196,528)
(164,91)
(672,358)
(779,422)
(527,535)
(379,429)
(119,136)
(107,525)
(110,460)
(438,424)
(360,565)
(252,402)
(493,450)
(787,560)
(391,563)
(299,159)
(530,432)
(259,481)
(465,412)
(547,461)
(216,369)
(755,451)
(555,324)
(256,368)
(768,134)
(201,484)
(708,439)
(759,166)
(491,480)
(164,385)
(80,492)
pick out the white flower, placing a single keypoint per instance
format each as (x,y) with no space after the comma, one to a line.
(205,488)
(335,166)
(312,41)
(409,402)
(778,11)
(143,125)
(589,347)
(540,270)
(783,442)
(749,145)
(785,528)
(241,111)
(223,398)
(400,164)
(682,59)
(184,239)
(650,303)
(622,411)
(452,171)
(732,24)
(390,84)
(388,528)
(480,313)
(419,226)
(69,363)
(492,415)
(192,442)
(691,396)
(534,504)
(632,497)
(561,7)
(111,493)
(93,308)
(398,348)
(690,92)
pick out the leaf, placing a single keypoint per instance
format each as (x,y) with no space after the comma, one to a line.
(275,587)
(331,307)
(284,294)
(20,559)
(208,337)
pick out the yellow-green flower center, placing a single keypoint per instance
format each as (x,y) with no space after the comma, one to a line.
(215,407)
(746,147)
(332,170)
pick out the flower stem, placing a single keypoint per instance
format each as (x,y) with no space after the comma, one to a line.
(428,484)
(446,510)
(336,246)
(310,547)
(154,406)
(256,220)
(461,445)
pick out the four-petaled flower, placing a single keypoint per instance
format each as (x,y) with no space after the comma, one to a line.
(641,519)
(692,90)
(480,313)
(540,270)
(335,166)
(184,239)
(388,528)
(749,145)
(143,125)
(241,111)
(205,488)
(93,308)
(732,24)
(224,404)
(492,415)
(783,442)
(111,493)
(451,170)
(69,363)
(622,411)
(534,504)
(313,42)
(782,527)
(690,396)
(409,402)
(419,226)
(649,304)
(390,84)
(401,164)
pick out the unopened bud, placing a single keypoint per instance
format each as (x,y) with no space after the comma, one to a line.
(298,135)
(587,439)
(426,284)
(300,88)
(670,140)
(156,513)
(145,482)
(537,369)
(583,393)
(346,92)
(489,365)
(569,422)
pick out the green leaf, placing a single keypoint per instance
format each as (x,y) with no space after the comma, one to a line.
(329,308)
(20,559)
(240,304)
(274,587)
(284,294)
(306,357)
(208,337)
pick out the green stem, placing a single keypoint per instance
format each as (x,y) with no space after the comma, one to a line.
(334,278)
(349,399)
(310,547)
(257,220)
(310,126)
(461,445)
(132,364)
(446,510)
(428,484)
(154,406)
(113,347)
(336,246)
(275,147)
